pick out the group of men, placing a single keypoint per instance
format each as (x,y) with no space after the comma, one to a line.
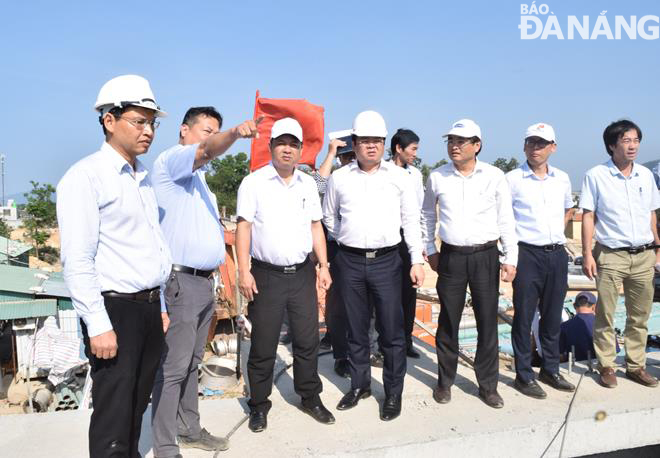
(139,250)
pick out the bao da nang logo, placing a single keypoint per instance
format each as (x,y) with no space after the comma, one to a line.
(538,22)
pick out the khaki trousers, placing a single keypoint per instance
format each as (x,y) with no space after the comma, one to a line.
(635,273)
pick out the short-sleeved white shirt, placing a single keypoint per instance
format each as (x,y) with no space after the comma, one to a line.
(281,215)
(622,205)
(539,204)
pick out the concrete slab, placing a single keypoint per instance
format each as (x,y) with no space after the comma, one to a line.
(601,420)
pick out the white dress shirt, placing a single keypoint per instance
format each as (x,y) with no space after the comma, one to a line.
(281,215)
(367,210)
(473,209)
(539,204)
(417,183)
(109,231)
(622,205)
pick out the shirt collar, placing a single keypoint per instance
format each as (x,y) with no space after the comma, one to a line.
(614,170)
(527,171)
(271,173)
(120,164)
(478,167)
(384,165)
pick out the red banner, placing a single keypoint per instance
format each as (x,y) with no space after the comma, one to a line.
(308,115)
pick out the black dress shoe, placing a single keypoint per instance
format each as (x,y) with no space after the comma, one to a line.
(411,352)
(377,359)
(320,414)
(258,421)
(391,407)
(442,395)
(342,368)
(531,389)
(325,343)
(351,398)
(556,381)
(491,398)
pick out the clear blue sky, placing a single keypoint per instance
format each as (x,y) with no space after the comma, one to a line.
(421,64)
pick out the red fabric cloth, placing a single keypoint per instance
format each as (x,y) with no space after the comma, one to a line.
(308,115)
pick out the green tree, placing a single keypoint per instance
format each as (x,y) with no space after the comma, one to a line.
(226,177)
(427,169)
(40,213)
(4,229)
(506,166)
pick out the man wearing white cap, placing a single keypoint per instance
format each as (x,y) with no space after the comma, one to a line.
(115,258)
(474,205)
(365,205)
(542,204)
(279,223)
(197,248)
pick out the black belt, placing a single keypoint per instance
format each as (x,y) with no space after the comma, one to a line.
(283,269)
(635,249)
(147,295)
(468,248)
(548,248)
(191,271)
(370,253)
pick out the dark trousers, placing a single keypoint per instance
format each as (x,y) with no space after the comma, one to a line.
(378,280)
(121,386)
(295,293)
(408,293)
(481,272)
(335,312)
(541,281)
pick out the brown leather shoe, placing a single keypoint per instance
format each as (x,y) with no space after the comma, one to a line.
(442,395)
(607,377)
(642,377)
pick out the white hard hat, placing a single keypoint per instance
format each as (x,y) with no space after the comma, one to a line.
(465,128)
(369,124)
(287,126)
(543,130)
(127,90)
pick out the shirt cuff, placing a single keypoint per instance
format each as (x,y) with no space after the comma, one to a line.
(163,305)
(512,260)
(417,258)
(431,249)
(97,323)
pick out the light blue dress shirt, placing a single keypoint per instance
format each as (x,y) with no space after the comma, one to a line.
(539,204)
(188,209)
(622,205)
(110,236)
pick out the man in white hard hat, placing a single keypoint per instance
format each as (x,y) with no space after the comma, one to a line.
(279,223)
(115,258)
(197,248)
(474,205)
(542,204)
(365,205)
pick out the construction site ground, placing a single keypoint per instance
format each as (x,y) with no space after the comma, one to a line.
(601,420)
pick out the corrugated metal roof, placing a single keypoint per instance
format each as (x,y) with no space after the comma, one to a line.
(27,308)
(13,247)
(21,279)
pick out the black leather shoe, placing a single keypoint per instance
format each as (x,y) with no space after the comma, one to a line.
(391,407)
(491,398)
(556,381)
(258,421)
(341,368)
(351,398)
(442,395)
(325,343)
(377,359)
(531,389)
(320,414)
(411,352)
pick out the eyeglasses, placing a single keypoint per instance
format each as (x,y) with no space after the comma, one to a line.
(370,141)
(141,123)
(460,142)
(628,141)
(534,143)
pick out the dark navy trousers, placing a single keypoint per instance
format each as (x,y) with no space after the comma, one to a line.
(376,280)
(541,281)
(335,312)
